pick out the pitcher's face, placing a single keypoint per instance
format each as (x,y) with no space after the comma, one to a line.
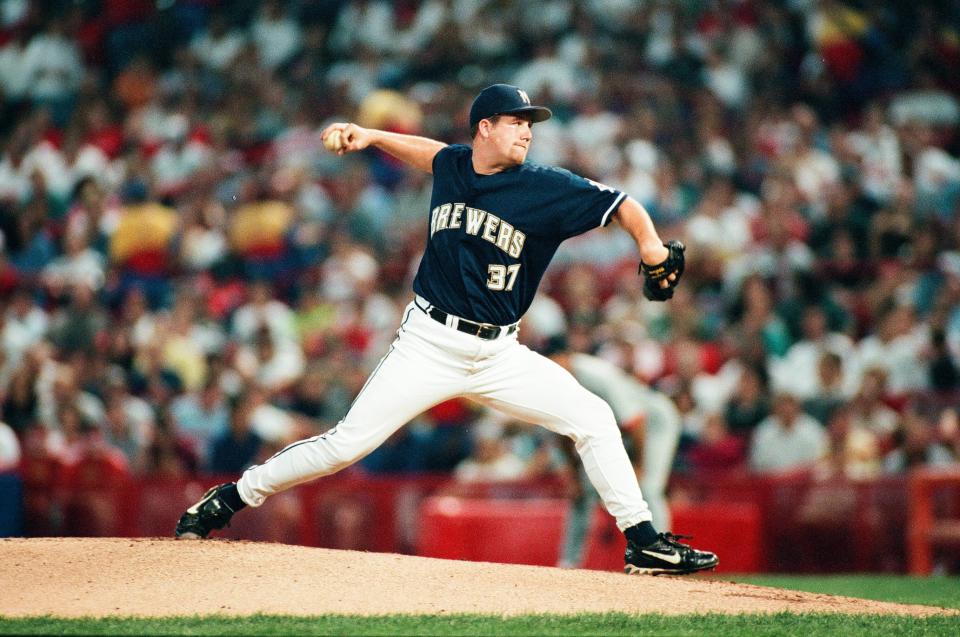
(512,135)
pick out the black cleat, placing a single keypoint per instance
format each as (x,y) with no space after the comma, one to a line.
(210,513)
(667,556)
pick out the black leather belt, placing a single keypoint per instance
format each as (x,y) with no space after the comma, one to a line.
(486,331)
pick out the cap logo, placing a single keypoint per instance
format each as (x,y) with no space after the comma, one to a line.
(524,96)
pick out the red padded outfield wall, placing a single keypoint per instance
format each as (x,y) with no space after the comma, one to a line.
(530,532)
(776,525)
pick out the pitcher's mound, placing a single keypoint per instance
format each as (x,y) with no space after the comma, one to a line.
(70,577)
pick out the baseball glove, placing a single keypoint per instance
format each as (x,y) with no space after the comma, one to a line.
(654,274)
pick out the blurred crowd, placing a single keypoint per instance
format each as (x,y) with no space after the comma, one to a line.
(189,281)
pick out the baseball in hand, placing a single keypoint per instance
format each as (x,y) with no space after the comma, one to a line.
(333,141)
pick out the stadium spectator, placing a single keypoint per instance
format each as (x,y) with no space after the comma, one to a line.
(915,445)
(14,74)
(79,265)
(869,407)
(9,448)
(948,430)
(262,310)
(234,447)
(169,455)
(25,324)
(491,458)
(798,367)
(141,243)
(943,371)
(716,450)
(749,404)
(896,348)
(410,450)
(129,420)
(272,364)
(203,244)
(218,45)
(878,149)
(58,388)
(788,439)
(276,35)
(53,69)
(855,451)
(756,319)
(79,324)
(202,414)
(830,393)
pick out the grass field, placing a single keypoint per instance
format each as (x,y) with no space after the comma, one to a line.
(934,591)
(612,624)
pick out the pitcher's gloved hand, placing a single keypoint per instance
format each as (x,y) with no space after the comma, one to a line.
(658,284)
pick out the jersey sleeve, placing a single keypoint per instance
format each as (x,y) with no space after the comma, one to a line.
(579,204)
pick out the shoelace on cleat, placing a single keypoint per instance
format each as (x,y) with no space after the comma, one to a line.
(674,540)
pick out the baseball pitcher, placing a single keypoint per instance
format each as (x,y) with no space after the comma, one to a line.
(494,224)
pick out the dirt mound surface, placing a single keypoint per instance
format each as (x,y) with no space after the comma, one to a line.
(72,577)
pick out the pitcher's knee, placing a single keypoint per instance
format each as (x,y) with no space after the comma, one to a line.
(342,447)
(339,457)
(595,421)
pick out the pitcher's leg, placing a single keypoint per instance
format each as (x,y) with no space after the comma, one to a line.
(533,388)
(404,384)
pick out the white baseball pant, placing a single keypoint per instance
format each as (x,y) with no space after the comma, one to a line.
(429,363)
(661,434)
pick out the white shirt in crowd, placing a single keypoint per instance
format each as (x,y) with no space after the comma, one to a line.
(900,358)
(727,82)
(505,467)
(283,367)
(83,268)
(562,79)
(277,40)
(727,233)
(814,171)
(881,166)
(14,180)
(53,67)
(22,330)
(363,24)
(218,52)
(272,424)
(929,106)
(274,314)
(776,448)
(934,168)
(14,77)
(9,448)
(798,368)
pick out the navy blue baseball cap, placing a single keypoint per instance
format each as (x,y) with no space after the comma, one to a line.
(505,99)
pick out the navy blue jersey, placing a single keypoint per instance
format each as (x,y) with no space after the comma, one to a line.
(491,237)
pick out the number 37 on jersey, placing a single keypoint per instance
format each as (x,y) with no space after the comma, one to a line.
(502,277)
